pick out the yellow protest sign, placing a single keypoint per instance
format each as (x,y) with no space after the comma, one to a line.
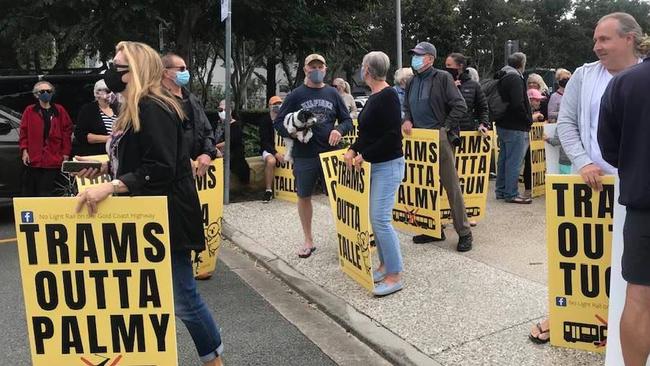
(284,184)
(351,137)
(210,190)
(84,183)
(97,290)
(579,237)
(537,158)
(349,196)
(473,167)
(417,207)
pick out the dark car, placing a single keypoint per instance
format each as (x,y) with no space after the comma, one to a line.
(11,166)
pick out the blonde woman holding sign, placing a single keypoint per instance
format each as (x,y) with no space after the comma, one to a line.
(380,143)
(147,159)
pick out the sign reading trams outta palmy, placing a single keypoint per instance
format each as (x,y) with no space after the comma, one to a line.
(417,204)
(537,158)
(579,223)
(97,290)
(210,190)
(284,184)
(349,196)
(473,168)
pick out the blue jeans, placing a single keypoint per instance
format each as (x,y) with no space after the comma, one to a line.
(513,145)
(385,179)
(191,309)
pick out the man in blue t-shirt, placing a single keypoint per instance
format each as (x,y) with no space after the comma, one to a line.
(328,107)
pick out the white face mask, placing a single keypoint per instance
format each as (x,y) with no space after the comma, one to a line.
(222,115)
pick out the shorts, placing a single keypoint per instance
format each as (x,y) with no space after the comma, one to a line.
(635,263)
(307,171)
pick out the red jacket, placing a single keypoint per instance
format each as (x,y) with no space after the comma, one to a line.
(48,153)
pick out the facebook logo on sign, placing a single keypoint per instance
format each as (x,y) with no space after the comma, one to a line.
(27,217)
(560,301)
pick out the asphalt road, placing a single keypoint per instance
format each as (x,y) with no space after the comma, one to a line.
(253,331)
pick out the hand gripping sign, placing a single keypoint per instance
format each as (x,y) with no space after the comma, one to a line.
(97,290)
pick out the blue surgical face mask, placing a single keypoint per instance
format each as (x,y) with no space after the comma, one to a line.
(417,62)
(45,97)
(317,76)
(182,78)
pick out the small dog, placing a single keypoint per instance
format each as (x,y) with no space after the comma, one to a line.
(299,125)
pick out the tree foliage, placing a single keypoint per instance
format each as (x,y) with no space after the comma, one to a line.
(42,34)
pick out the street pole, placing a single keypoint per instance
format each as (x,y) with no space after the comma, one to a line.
(398,26)
(226,154)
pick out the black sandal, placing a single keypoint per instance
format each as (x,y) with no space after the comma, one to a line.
(538,340)
(306,252)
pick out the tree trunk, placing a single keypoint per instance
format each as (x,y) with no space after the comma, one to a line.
(191,14)
(271,86)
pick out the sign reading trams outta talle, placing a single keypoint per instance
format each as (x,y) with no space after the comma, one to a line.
(473,168)
(349,196)
(284,184)
(97,290)
(579,224)
(210,190)
(538,158)
(417,204)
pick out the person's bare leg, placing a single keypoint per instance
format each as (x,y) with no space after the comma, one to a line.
(635,325)
(305,211)
(269,171)
(216,362)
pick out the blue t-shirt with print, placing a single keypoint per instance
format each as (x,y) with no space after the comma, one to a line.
(327,106)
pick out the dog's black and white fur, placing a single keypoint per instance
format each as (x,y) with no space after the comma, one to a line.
(299,125)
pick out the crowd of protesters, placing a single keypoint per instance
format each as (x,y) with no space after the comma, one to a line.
(596,138)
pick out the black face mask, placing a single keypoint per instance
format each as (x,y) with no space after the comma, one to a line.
(453,72)
(113,79)
(563,82)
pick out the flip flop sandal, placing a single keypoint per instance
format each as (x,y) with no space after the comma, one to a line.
(520,200)
(306,252)
(538,340)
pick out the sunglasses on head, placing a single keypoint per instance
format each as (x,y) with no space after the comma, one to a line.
(43,91)
(180,68)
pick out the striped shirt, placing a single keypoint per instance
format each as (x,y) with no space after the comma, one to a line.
(108,121)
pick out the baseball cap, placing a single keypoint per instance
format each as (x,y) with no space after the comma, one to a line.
(314,57)
(535,94)
(424,48)
(275,100)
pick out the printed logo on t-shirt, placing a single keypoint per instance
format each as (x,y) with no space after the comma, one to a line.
(321,108)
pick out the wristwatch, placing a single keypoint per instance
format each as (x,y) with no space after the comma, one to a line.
(116,184)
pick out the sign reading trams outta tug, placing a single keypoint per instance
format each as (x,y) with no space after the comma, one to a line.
(349,196)
(473,167)
(97,290)
(579,224)
(417,204)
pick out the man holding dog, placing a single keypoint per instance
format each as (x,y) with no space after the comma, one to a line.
(433,101)
(325,103)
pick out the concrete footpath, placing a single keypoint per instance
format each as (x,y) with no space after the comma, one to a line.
(474,308)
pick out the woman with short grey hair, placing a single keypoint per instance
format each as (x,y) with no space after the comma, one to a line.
(380,143)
